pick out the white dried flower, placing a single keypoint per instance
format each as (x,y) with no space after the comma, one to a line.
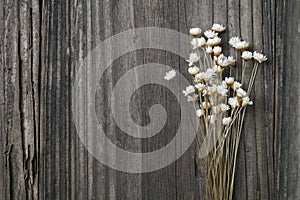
(224,107)
(217,50)
(236,85)
(241,46)
(209,50)
(211,71)
(188,90)
(208,74)
(200,87)
(229,81)
(218,28)
(199,77)
(226,121)
(214,41)
(223,61)
(246,101)
(210,34)
(240,93)
(233,102)
(199,113)
(193,58)
(222,90)
(170,75)
(195,32)
(193,70)
(259,57)
(247,55)
(233,41)
(198,42)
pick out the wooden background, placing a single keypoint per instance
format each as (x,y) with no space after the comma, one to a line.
(41,156)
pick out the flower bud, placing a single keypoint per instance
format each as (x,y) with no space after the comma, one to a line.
(195,32)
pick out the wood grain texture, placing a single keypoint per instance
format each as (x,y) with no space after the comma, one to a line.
(41,156)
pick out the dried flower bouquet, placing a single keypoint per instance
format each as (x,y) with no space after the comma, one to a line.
(220,103)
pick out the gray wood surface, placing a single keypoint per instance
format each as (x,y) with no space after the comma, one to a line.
(41,156)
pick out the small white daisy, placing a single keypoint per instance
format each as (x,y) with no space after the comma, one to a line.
(233,41)
(247,55)
(233,102)
(209,50)
(246,101)
(218,28)
(259,57)
(236,85)
(200,87)
(223,61)
(208,74)
(193,70)
(170,75)
(195,32)
(199,77)
(217,50)
(224,107)
(226,121)
(188,90)
(214,41)
(193,58)
(229,81)
(222,90)
(240,93)
(241,46)
(210,34)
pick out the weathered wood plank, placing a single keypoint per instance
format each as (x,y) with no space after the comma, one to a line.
(287,68)
(191,14)
(3,184)
(246,176)
(15,169)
